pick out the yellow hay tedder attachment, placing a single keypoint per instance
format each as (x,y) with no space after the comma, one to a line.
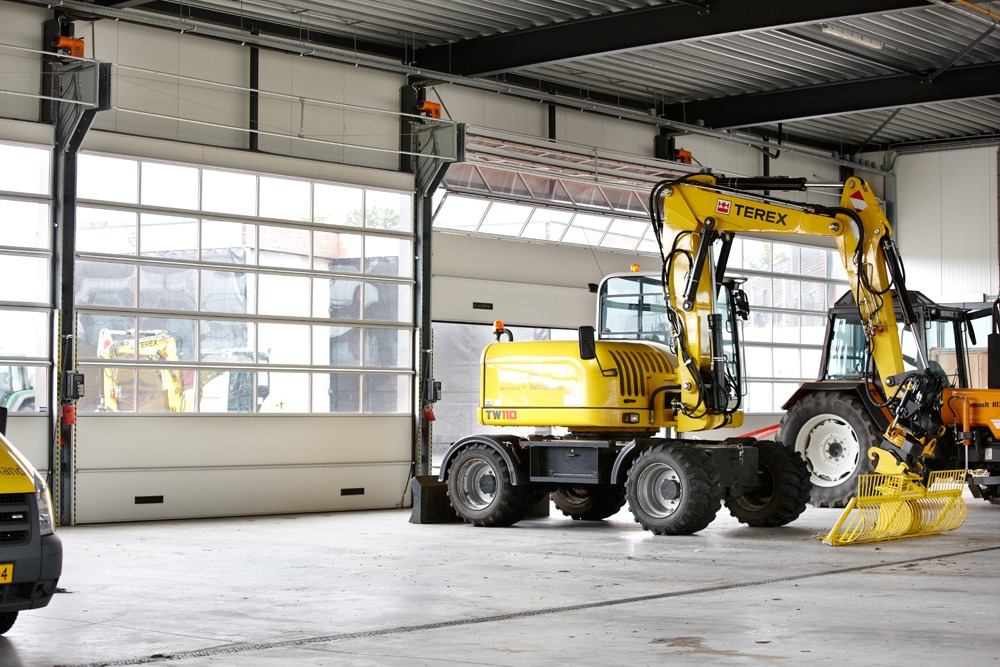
(889,507)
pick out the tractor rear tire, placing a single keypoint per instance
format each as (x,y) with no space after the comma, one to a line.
(832,432)
(782,492)
(673,489)
(480,488)
(589,503)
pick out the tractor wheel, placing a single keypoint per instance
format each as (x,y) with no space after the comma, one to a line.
(832,432)
(480,490)
(673,490)
(589,503)
(782,491)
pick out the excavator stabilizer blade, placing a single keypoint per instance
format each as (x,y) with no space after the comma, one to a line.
(890,507)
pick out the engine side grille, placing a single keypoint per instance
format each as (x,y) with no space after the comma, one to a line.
(15,518)
(634,365)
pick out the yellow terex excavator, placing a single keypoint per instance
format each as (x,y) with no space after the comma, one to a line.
(616,392)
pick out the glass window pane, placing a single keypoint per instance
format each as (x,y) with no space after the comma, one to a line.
(168,338)
(782,392)
(227,341)
(505,219)
(786,329)
(107,179)
(586,194)
(787,363)
(756,255)
(337,251)
(106,231)
(461,213)
(586,229)
(758,362)
(813,296)
(385,256)
(503,182)
(169,185)
(285,344)
(165,390)
(228,291)
(546,224)
(24,169)
(93,337)
(228,242)
(288,392)
(228,192)
(786,293)
(117,389)
(24,224)
(338,205)
(337,298)
(811,362)
(386,348)
(386,394)
(388,302)
(25,279)
(168,288)
(760,397)
(337,392)
(168,236)
(758,327)
(105,284)
(784,258)
(230,391)
(285,199)
(284,246)
(283,295)
(625,233)
(24,388)
(24,333)
(388,210)
(546,188)
(814,262)
(336,346)
(759,291)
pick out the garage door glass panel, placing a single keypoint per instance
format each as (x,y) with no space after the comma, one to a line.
(385,394)
(168,236)
(336,393)
(285,199)
(284,247)
(338,205)
(388,210)
(24,224)
(107,179)
(228,192)
(228,291)
(24,169)
(339,252)
(105,284)
(25,333)
(106,231)
(284,344)
(228,242)
(283,295)
(168,288)
(32,279)
(169,185)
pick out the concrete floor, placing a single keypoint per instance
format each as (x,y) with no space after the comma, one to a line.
(369,588)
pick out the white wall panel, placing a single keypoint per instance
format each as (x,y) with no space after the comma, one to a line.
(312,79)
(104,496)
(591,129)
(21,25)
(528,283)
(484,109)
(206,465)
(947,222)
(30,434)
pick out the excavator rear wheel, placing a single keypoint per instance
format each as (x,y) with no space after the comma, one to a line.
(673,490)
(832,432)
(782,492)
(589,503)
(480,489)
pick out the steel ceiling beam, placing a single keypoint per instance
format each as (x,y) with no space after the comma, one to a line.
(895,90)
(637,29)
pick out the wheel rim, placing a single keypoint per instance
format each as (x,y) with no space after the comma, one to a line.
(477,484)
(659,490)
(830,448)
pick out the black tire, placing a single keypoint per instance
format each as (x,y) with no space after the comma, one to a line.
(673,490)
(7,621)
(832,432)
(480,490)
(782,492)
(589,503)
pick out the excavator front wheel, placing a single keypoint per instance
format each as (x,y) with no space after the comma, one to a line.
(589,503)
(480,488)
(782,490)
(673,490)
(833,433)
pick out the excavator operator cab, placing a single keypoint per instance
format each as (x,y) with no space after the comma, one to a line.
(633,306)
